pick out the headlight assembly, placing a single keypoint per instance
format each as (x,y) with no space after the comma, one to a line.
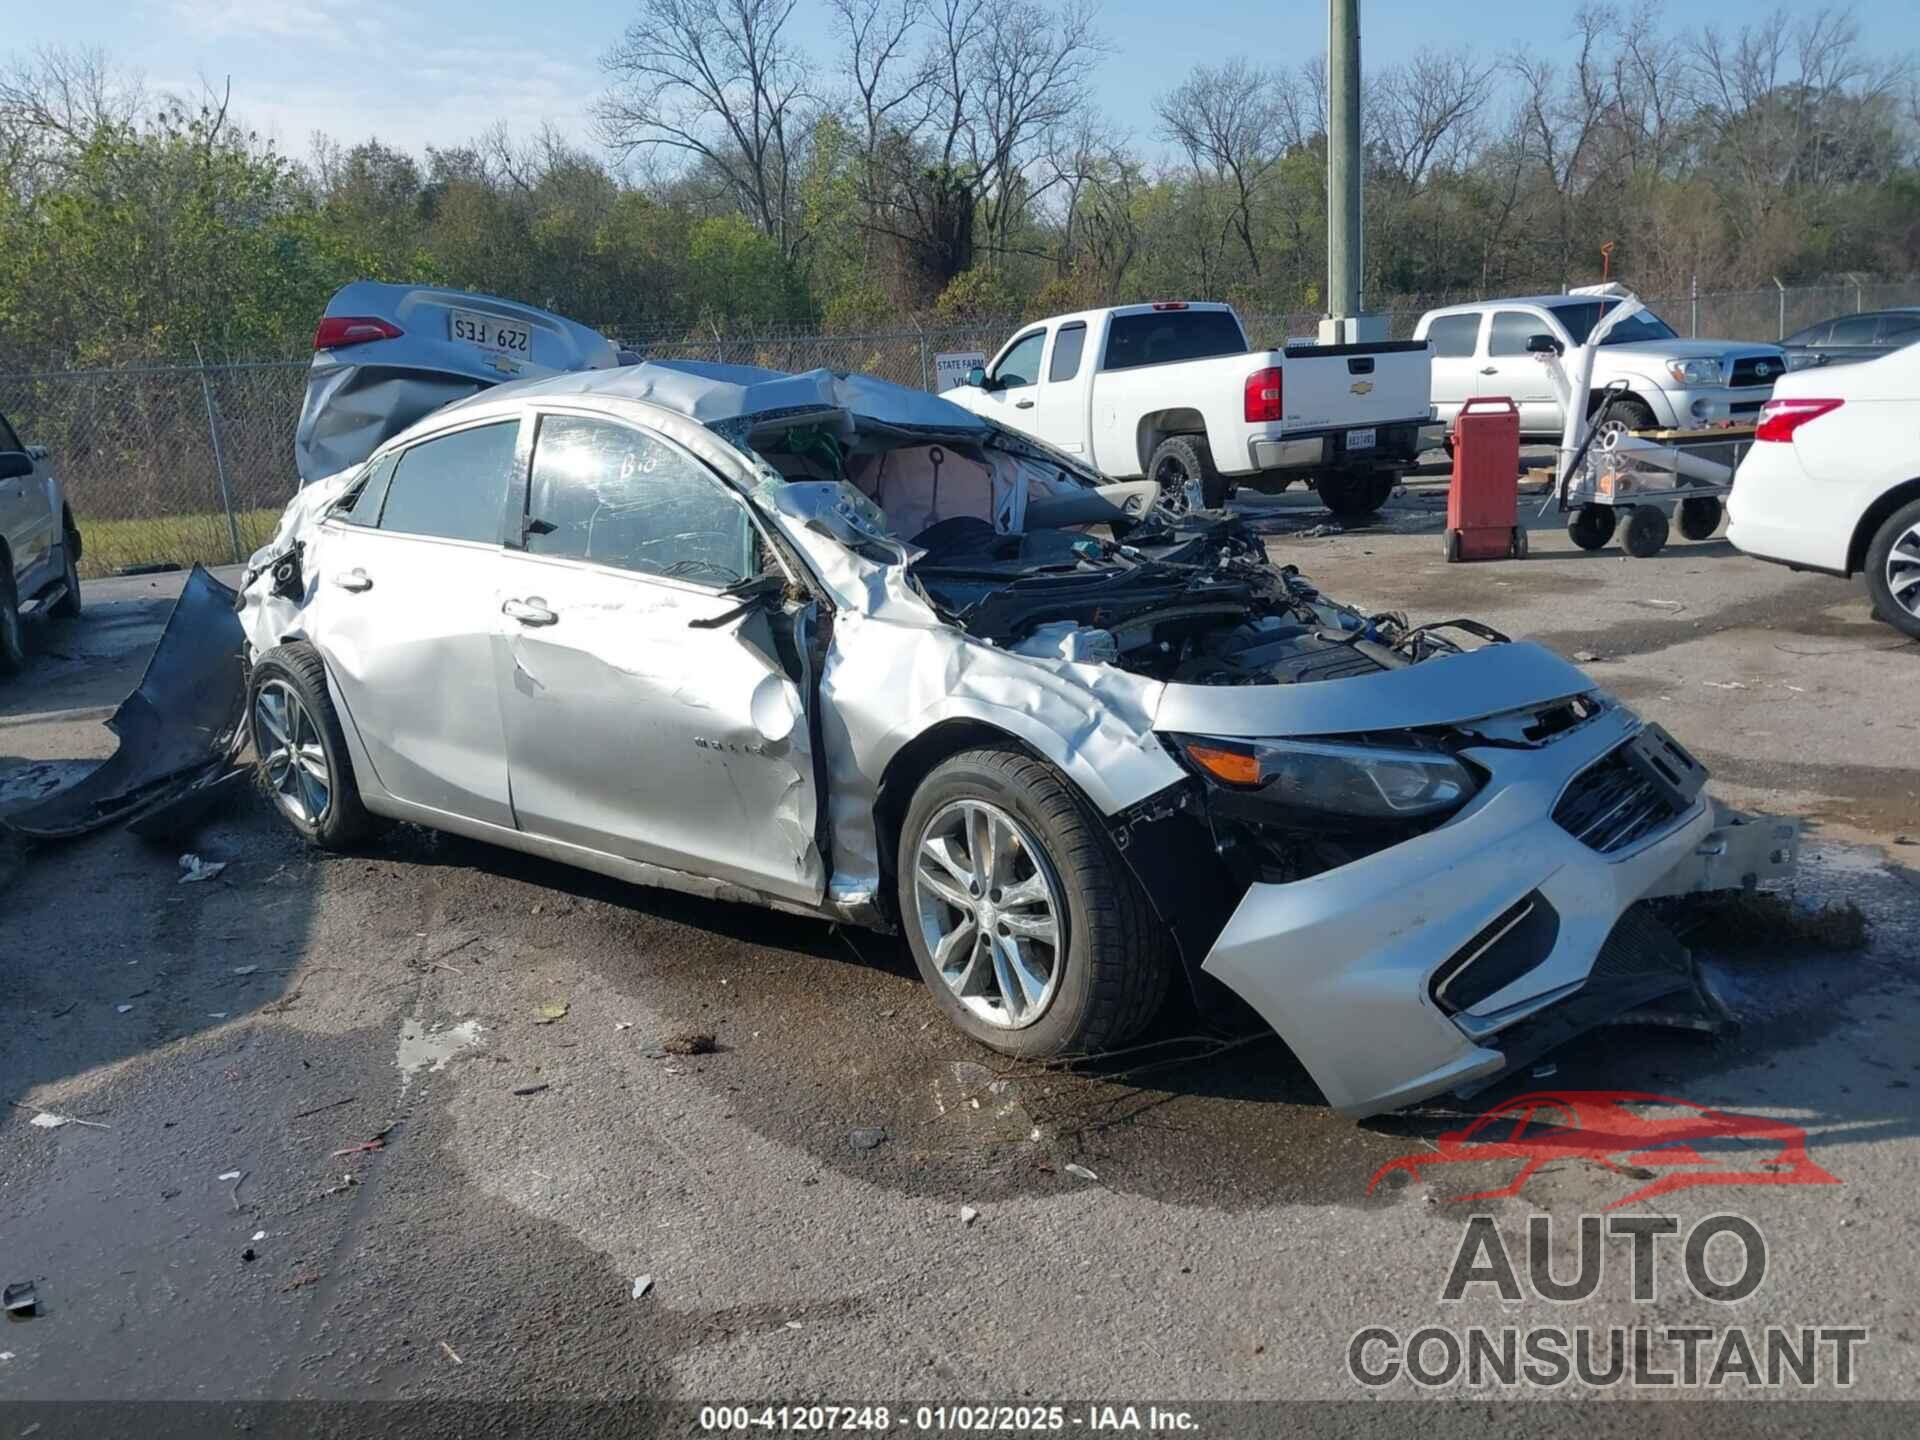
(1367,782)
(1695,372)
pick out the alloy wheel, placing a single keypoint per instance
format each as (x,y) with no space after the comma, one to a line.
(1179,491)
(1903,571)
(291,754)
(990,912)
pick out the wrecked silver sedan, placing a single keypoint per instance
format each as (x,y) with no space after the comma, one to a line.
(829,645)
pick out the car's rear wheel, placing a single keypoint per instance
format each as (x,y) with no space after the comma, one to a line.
(301,751)
(1024,922)
(1353,495)
(1182,466)
(1893,570)
(13,634)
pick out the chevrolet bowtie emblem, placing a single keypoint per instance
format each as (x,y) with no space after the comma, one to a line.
(503,364)
(1362,387)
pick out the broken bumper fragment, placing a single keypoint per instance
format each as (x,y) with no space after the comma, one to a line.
(178,730)
(1444,961)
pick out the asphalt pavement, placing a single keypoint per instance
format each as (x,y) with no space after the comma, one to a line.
(412,1123)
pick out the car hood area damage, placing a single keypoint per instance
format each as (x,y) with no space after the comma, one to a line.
(1420,853)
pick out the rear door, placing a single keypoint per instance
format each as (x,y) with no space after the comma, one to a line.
(405,615)
(648,714)
(1455,341)
(1510,370)
(1060,410)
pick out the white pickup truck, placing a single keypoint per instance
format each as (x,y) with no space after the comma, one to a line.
(1171,391)
(1483,349)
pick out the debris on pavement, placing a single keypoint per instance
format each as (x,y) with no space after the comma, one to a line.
(47,1120)
(376,1142)
(867,1137)
(641,1285)
(1082,1171)
(193,868)
(20,1300)
(532,1089)
(123,1009)
(1545,1072)
(450,1353)
(1588,657)
(247,1256)
(231,1175)
(690,1042)
(347,1182)
(330,1105)
(550,1012)
(968,1214)
(245,969)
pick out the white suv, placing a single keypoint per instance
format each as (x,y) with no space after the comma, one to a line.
(1832,482)
(1482,350)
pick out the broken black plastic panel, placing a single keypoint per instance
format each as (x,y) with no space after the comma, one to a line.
(179,730)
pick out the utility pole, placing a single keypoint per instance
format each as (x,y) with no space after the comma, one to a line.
(1345,241)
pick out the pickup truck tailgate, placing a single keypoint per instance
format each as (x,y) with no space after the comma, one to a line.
(1348,385)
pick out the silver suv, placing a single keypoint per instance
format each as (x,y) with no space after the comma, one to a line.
(39,545)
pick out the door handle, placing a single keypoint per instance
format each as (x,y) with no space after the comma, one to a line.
(531,611)
(354,580)
(1023,404)
(1489,369)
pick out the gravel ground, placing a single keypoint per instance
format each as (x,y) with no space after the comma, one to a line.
(447,1187)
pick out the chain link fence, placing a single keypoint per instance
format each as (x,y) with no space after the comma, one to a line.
(168,465)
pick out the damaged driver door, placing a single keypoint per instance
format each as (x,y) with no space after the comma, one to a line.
(652,711)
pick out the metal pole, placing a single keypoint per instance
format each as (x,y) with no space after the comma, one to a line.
(926,380)
(1693,291)
(1343,158)
(219,460)
(1783,308)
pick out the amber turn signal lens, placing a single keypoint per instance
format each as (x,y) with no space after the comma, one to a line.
(1229,766)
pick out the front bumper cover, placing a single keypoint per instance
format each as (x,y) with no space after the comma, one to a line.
(1342,964)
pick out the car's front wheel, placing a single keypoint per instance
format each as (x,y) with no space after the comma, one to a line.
(1022,918)
(1893,570)
(13,634)
(300,750)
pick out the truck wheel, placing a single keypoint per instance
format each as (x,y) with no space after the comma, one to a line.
(68,605)
(301,751)
(13,635)
(1700,516)
(1893,570)
(1646,531)
(1353,497)
(1182,466)
(1592,526)
(1025,924)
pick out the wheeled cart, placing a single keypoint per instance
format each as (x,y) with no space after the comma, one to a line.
(1661,479)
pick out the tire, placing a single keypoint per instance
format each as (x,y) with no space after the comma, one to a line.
(1631,414)
(1089,996)
(1893,570)
(68,606)
(1700,516)
(1646,531)
(1592,526)
(1453,547)
(294,676)
(1353,496)
(1517,546)
(1177,462)
(13,633)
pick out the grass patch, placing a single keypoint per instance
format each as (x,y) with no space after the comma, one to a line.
(110,546)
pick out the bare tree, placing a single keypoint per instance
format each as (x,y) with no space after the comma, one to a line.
(718,82)
(1226,120)
(1560,115)
(52,102)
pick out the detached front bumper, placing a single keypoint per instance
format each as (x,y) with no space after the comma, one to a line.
(1345,965)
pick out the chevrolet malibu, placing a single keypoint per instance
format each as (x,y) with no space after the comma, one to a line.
(824,644)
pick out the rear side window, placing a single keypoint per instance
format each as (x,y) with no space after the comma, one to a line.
(1812,335)
(1453,335)
(1067,345)
(8,440)
(453,487)
(1511,331)
(617,496)
(1164,337)
(362,506)
(1899,329)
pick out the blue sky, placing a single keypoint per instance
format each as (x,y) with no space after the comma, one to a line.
(416,72)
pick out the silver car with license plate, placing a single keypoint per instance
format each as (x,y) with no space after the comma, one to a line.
(825,644)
